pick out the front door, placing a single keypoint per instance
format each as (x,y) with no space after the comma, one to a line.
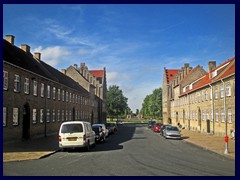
(26,122)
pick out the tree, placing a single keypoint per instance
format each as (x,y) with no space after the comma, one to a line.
(152,105)
(116,102)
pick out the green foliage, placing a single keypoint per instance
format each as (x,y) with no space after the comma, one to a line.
(152,105)
(116,103)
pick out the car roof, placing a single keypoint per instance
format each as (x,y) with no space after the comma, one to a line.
(75,122)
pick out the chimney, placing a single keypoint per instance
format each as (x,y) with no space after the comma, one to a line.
(211,65)
(37,55)
(10,39)
(63,71)
(75,66)
(25,48)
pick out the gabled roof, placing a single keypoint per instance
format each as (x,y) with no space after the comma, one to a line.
(206,78)
(171,73)
(188,74)
(97,73)
(20,58)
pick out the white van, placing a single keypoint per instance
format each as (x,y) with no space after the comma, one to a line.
(76,134)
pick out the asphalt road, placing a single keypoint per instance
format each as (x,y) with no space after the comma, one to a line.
(133,151)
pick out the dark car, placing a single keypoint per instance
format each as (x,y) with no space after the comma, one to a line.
(110,127)
(157,127)
(99,134)
(151,123)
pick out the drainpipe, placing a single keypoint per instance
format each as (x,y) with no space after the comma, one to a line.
(212,108)
(188,111)
(226,142)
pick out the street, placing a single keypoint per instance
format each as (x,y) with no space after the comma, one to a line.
(134,150)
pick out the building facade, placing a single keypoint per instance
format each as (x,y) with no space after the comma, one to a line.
(37,98)
(203,101)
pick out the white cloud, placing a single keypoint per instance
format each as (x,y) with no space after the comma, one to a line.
(52,55)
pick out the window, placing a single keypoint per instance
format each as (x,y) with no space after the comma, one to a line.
(70,97)
(15,116)
(216,92)
(62,115)
(48,91)
(63,94)
(203,115)
(70,115)
(223,115)
(41,115)
(54,93)
(17,83)
(53,115)
(203,95)
(59,94)
(66,96)
(48,115)
(206,95)
(5,80)
(66,115)
(228,89)
(26,86)
(35,86)
(216,113)
(42,90)
(73,98)
(58,115)
(34,116)
(221,91)
(4,116)
(230,115)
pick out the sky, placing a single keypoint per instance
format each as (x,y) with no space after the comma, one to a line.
(134,42)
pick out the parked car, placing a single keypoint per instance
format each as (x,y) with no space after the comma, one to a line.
(76,134)
(119,122)
(172,132)
(105,130)
(151,123)
(163,129)
(157,127)
(110,127)
(99,134)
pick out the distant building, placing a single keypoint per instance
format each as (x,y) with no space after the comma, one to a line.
(201,101)
(37,98)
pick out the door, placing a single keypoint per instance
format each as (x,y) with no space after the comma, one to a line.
(208,126)
(26,122)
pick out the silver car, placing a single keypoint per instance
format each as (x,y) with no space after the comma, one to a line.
(172,132)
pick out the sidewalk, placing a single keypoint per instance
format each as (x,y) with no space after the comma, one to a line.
(31,149)
(37,148)
(210,142)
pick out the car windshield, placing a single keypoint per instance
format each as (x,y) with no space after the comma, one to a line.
(172,128)
(95,129)
(72,128)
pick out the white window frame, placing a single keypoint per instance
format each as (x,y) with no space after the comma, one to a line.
(228,89)
(15,116)
(53,115)
(48,116)
(59,94)
(5,80)
(66,96)
(17,83)
(34,116)
(58,115)
(26,85)
(70,115)
(54,92)
(4,116)
(63,115)
(35,88)
(41,119)
(216,92)
(70,97)
(48,91)
(223,115)
(73,98)
(221,91)
(63,95)
(229,115)
(42,89)
(206,95)
(216,115)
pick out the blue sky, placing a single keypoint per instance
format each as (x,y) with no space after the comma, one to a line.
(134,42)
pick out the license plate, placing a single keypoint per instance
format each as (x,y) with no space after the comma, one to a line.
(72,139)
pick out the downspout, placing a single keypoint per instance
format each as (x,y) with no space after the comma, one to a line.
(188,111)
(212,108)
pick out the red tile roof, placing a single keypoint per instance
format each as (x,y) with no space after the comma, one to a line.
(97,73)
(171,73)
(206,79)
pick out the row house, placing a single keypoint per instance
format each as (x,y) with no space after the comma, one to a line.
(37,98)
(204,101)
